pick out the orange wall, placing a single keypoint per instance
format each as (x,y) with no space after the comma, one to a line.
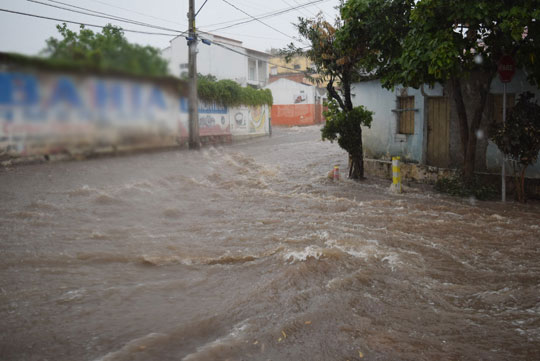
(293,114)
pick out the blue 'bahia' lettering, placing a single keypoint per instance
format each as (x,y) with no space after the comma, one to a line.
(65,92)
(108,95)
(18,89)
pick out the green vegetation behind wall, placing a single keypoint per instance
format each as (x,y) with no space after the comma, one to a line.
(229,93)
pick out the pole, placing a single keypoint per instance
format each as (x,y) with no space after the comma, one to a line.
(503,170)
(194,142)
(396,175)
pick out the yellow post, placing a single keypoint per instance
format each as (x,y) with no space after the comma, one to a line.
(396,175)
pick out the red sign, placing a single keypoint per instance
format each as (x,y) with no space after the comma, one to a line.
(506,68)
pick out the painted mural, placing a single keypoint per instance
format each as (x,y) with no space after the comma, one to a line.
(39,112)
(257,119)
(213,118)
(43,112)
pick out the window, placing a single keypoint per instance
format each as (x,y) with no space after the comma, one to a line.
(405,114)
(273,70)
(184,66)
(498,106)
(296,66)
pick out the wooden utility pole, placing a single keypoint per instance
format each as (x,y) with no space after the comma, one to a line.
(194,142)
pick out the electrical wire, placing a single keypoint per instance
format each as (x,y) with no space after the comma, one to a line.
(136,12)
(85,24)
(95,13)
(100,14)
(257,19)
(197,13)
(263,16)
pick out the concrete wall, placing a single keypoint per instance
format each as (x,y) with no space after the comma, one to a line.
(45,112)
(382,140)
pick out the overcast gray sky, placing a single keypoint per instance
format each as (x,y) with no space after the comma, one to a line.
(27,35)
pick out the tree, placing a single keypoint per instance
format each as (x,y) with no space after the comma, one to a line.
(336,57)
(519,138)
(346,128)
(106,50)
(455,42)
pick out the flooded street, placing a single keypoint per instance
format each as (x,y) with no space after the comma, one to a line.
(249,252)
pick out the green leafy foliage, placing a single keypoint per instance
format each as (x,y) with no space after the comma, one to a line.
(379,27)
(345,127)
(519,138)
(106,50)
(229,93)
(456,186)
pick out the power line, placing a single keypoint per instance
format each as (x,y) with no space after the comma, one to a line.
(262,22)
(136,12)
(101,15)
(85,24)
(262,16)
(197,13)
(105,15)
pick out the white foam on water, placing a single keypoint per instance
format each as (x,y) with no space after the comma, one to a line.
(73,295)
(84,190)
(393,260)
(308,252)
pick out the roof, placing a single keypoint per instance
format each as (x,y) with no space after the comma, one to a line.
(231,42)
(292,80)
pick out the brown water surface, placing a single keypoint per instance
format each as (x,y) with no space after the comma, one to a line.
(250,252)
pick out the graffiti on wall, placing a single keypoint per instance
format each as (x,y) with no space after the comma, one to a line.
(300,98)
(239,120)
(44,112)
(257,118)
(47,107)
(213,118)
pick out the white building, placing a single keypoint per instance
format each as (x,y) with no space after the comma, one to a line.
(296,103)
(225,59)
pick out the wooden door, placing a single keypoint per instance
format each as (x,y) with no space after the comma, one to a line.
(438,145)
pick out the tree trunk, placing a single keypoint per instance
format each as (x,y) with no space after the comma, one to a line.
(357,167)
(468,132)
(356,164)
(462,114)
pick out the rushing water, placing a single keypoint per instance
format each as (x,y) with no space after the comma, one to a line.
(249,252)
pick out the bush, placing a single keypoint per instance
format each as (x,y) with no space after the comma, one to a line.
(457,187)
(229,93)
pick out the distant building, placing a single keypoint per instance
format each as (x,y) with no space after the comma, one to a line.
(225,59)
(296,103)
(299,69)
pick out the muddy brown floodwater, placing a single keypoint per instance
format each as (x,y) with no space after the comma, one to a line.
(249,252)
